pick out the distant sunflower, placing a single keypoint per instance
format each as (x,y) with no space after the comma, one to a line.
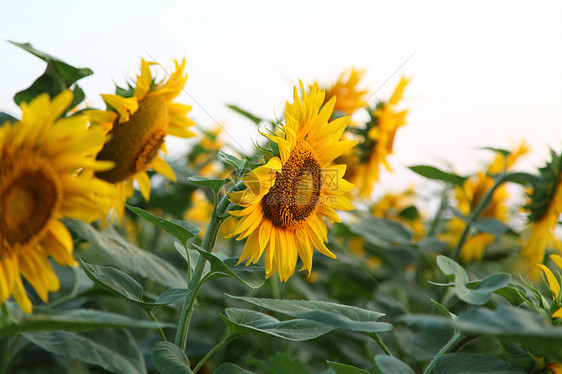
(288,197)
(469,196)
(544,209)
(376,142)
(349,97)
(138,122)
(46,173)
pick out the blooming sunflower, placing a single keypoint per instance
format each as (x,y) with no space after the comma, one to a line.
(287,198)
(46,173)
(545,207)
(349,97)
(138,122)
(469,196)
(376,142)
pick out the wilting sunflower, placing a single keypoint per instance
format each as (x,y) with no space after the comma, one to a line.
(469,196)
(138,122)
(46,173)
(553,283)
(349,97)
(287,198)
(376,141)
(545,207)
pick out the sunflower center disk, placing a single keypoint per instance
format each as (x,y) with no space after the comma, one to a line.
(296,191)
(135,143)
(29,195)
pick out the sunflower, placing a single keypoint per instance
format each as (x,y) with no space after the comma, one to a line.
(469,196)
(376,142)
(349,97)
(553,283)
(287,198)
(138,122)
(544,209)
(46,173)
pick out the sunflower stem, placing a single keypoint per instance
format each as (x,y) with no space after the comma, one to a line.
(194,283)
(209,354)
(381,344)
(160,331)
(475,214)
(452,344)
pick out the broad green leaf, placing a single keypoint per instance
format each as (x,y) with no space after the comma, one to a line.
(431,172)
(476,292)
(514,293)
(246,114)
(331,314)
(529,329)
(345,369)
(381,231)
(213,184)
(241,322)
(58,76)
(69,320)
(172,295)
(230,368)
(491,225)
(110,248)
(391,365)
(252,275)
(235,162)
(168,358)
(281,363)
(464,363)
(121,284)
(114,351)
(451,269)
(521,178)
(182,230)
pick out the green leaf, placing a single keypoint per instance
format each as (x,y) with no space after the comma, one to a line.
(464,363)
(381,231)
(69,320)
(281,363)
(181,230)
(451,269)
(521,178)
(520,326)
(491,225)
(241,322)
(252,275)
(238,164)
(345,369)
(58,76)
(431,172)
(514,293)
(391,365)
(503,152)
(230,368)
(477,292)
(121,284)
(114,351)
(110,248)
(213,184)
(334,315)
(168,358)
(442,309)
(246,114)
(410,213)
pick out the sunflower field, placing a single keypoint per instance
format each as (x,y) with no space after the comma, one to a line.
(290,259)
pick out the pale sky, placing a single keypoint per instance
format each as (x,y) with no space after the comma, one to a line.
(484,73)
